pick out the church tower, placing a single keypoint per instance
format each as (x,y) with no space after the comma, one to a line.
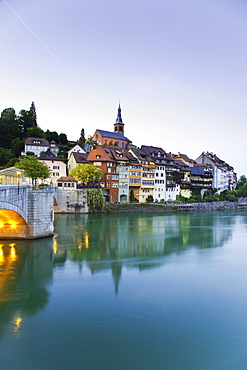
(119,125)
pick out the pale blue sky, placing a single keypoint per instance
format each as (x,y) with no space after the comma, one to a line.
(179,68)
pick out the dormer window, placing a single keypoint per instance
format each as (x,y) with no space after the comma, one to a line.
(98,156)
(158,154)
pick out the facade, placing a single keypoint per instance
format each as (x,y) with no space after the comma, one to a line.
(158,155)
(201,178)
(147,174)
(76,149)
(167,175)
(121,157)
(57,166)
(183,178)
(102,157)
(37,145)
(76,158)
(66,183)
(13,176)
(224,177)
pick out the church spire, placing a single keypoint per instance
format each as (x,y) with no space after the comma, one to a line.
(119,118)
(119,125)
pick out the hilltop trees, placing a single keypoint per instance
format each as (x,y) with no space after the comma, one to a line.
(15,128)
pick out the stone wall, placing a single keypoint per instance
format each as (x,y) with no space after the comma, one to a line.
(157,207)
(40,213)
(25,212)
(71,201)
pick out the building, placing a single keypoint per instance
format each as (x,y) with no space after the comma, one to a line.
(57,165)
(66,183)
(147,169)
(224,177)
(76,149)
(37,145)
(103,158)
(76,158)
(13,176)
(117,137)
(168,174)
(201,178)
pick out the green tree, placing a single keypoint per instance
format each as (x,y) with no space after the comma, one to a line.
(17,145)
(95,200)
(86,172)
(82,139)
(63,139)
(9,128)
(33,114)
(5,156)
(33,168)
(35,131)
(52,135)
(25,122)
(132,197)
(149,199)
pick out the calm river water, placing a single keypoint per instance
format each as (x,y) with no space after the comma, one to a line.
(128,291)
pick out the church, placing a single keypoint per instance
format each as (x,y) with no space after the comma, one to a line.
(117,137)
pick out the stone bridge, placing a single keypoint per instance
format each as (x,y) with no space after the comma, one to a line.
(26,212)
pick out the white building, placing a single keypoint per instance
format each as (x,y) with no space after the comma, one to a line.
(224,177)
(57,166)
(76,149)
(37,145)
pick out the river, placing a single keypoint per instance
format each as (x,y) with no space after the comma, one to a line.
(127,292)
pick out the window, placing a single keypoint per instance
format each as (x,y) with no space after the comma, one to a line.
(135,181)
(55,167)
(145,190)
(97,163)
(97,156)
(59,184)
(147,182)
(114,177)
(108,185)
(114,185)
(108,177)
(109,170)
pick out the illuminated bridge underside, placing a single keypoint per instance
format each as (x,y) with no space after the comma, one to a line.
(12,225)
(25,212)
(11,207)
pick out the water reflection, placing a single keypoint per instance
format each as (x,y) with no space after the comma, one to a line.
(98,243)
(25,271)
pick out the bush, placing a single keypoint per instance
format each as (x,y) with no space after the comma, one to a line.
(95,200)
(149,199)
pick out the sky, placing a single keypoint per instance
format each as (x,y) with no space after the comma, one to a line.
(178,68)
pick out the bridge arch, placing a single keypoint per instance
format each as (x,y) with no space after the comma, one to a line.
(12,225)
(11,207)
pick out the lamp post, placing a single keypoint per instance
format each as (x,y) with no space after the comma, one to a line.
(18,180)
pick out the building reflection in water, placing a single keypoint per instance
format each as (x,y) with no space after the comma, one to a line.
(99,243)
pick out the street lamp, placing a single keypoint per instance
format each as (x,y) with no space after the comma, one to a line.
(18,180)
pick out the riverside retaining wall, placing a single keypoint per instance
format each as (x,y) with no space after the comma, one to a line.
(157,207)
